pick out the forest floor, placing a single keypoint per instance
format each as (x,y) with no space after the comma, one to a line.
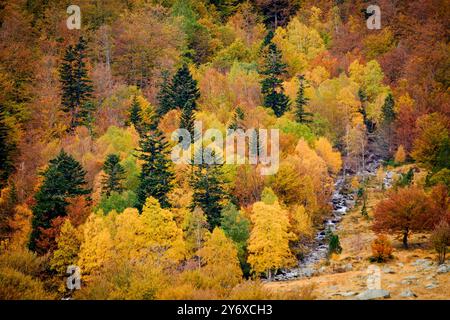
(411,274)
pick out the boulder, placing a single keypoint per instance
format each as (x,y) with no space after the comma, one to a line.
(372,294)
(408,294)
(443,269)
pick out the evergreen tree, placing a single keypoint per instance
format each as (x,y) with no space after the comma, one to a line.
(238,116)
(6,164)
(135,113)
(164,97)
(187,118)
(156,176)
(272,85)
(63,179)
(267,39)
(183,90)
(114,175)
(388,109)
(76,86)
(207,183)
(300,114)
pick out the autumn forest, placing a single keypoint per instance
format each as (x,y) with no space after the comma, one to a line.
(341,115)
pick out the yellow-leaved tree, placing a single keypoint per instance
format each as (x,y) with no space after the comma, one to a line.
(269,239)
(68,245)
(332,158)
(400,155)
(221,264)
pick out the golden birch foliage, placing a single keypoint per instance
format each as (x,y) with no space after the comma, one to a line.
(129,238)
(269,239)
(400,155)
(96,249)
(332,158)
(220,257)
(160,229)
(20,225)
(68,245)
(301,222)
(354,183)
(195,230)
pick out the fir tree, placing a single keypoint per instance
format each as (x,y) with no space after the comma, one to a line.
(238,116)
(272,85)
(267,39)
(183,90)
(207,183)
(114,175)
(300,114)
(165,95)
(187,118)
(388,109)
(76,86)
(6,164)
(135,113)
(63,179)
(156,176)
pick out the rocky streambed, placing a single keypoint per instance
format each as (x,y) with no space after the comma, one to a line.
(341,202)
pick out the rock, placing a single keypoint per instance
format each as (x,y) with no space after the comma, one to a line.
(348,267)
(401,265)
(409,280)
(322,269)
(443,268)
(387,269)
(372,294)
(347,294)
(408,294)
(430,286)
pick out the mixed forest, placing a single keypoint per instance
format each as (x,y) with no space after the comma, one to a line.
(86,123)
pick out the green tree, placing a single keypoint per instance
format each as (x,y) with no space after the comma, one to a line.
(183,90)
(76,85)
(207,182)
(187,118)
(156,176)
(164,97)
(114,175)
(272,84)
(388,109)
(135,113)
(238,117)
(63,179)
(6,164)
(300,102)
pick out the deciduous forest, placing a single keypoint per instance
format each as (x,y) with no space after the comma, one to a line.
(87,122)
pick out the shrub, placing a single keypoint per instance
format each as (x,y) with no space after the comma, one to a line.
(381,249)
(441,239)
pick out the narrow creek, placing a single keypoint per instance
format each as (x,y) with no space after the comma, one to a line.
(341,202)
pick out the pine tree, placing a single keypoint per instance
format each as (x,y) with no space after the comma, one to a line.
(6,164)
(76,85)
(164,97)
(156,176)
(63,179)
(272,85)
(207,183)
(114,175)
(187,118)
(267,39)
(388,109)
(300,114)
(238,117)
(184,89)
(135,113)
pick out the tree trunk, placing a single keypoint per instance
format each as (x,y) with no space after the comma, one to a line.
(405,239)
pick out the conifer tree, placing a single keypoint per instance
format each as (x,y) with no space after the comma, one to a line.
(63,179)
(156,176)
(184,89)
(207,182)
(300,114)
(76,85)
(114,175)
(135,113)
(6,164)
(164,97)
(272,84)
(388,109)
(238,117)
(187,118)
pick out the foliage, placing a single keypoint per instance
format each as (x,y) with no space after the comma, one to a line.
(381,249)
(440,239)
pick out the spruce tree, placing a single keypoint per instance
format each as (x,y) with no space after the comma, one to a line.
(300,102)
(165,95)
(63,179)
(184,91)
(388,109)
(76,85)
(114,175)
(236,122)
(6,164)
(272,84)
(156,176)
(187,118)
(207,183)
(135,113)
